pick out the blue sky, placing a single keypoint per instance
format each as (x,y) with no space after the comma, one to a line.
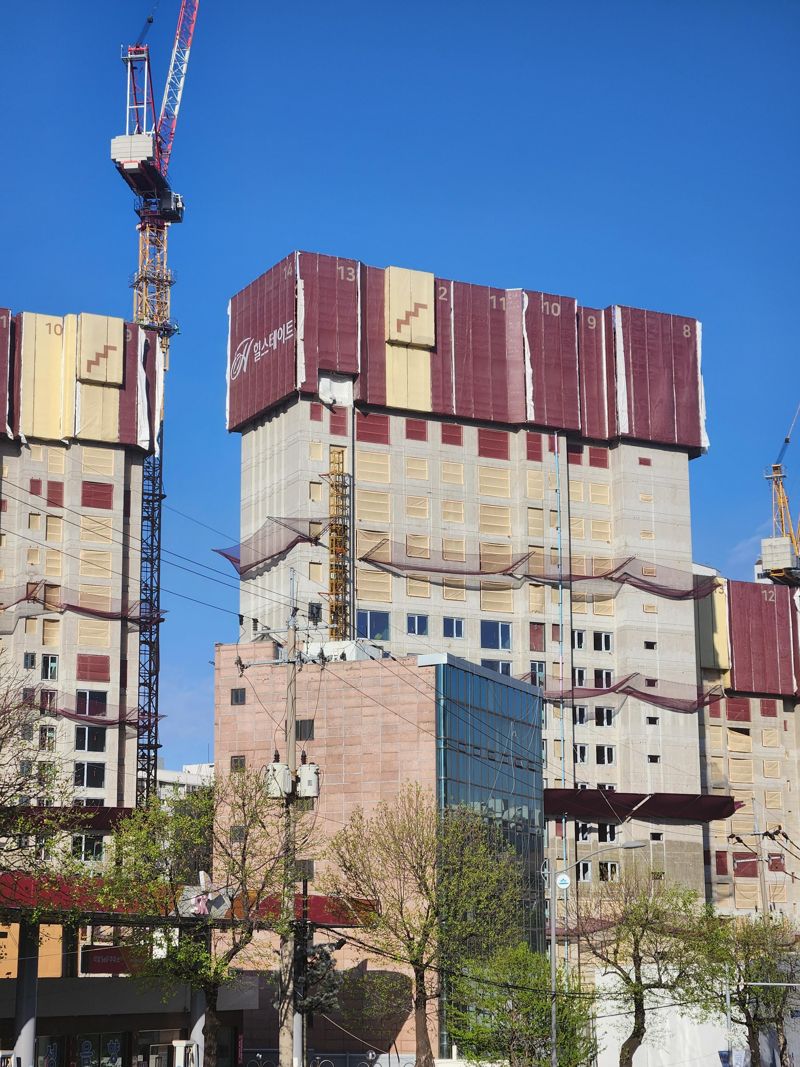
(633,152)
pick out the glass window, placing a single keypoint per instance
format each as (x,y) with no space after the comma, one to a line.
(604,754)
(579,677)
(582,831)
(87,846)
(608,870)
(90,738)
(452,627)
(374,625)
(91,702)
(538,672)
(417,624)
(652,720)
(238,696)
(47,701)
(604,716)
(304,730)
(49,667)
(501,666)
(602,641)
(580,715)
(238,763)
(606,831)
(29,661)
(584,869)
(90,775)
(653,759)
(602,679)
(47,738)
(578,639)
(580,753)
(495,634)
(607,787)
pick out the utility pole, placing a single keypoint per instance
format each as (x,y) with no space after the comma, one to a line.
(553,968)
(287,1053)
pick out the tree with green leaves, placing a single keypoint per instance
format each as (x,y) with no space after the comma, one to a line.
(643,933)
(204,923)
(445,886)
(738,951)
(499,1011)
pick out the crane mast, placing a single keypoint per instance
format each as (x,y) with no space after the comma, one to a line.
(142,155)
(780,553)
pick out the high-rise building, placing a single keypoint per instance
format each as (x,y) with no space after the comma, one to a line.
(80,400)
(505,473)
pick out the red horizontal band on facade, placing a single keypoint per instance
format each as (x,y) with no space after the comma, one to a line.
(605,806)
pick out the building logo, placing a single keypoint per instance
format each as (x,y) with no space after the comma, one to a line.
(259,348)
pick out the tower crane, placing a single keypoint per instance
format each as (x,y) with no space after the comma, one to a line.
(142,155)
(780,552)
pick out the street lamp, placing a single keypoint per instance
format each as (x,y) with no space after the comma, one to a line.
(562,877)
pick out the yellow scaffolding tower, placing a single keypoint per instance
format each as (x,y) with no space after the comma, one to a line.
(339,548)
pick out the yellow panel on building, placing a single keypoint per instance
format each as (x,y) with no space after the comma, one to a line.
(408,378)
(410,307)
(96,633)
(374,585)
(42,362)
(372,466)
(496,596)
(711,628)
(100,349)
(97,413)
(374,543)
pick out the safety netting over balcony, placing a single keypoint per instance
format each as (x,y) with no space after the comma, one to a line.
(672,696)
(89,707)
(585,574)
(272,541)
(43,597)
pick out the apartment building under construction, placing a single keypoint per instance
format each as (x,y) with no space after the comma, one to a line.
(503,475)
(80,402)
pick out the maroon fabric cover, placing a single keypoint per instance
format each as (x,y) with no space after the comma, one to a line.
(416,430)
(589,805)
(661,376)
(337,422)
(762,623)
(533,447)
(598,457)
(315,411)
(597,386)
(721,861)
(492,444)
(745,865)
(92,668)
(371,383)
(442,355)
(452,434)
(737,709)
(128,415)
(372,427)
(489,366)
(55,494)
(769,709)
(97,495)
(551,327)
(36,487)
(5,368)
(262,344)
(330,325)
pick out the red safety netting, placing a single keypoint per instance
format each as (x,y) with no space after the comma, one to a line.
(92,713)
(609,805)
(273,540)
(673,696)
(39,598)
(586,574)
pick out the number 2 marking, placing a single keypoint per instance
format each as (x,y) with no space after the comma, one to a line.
(443,292)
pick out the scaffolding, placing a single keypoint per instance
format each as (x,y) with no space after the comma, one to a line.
(339,555)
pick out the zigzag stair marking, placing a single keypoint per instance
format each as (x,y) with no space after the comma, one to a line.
(412,314)
(98,356)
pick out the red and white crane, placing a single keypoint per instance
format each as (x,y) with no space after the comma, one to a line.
(142,155)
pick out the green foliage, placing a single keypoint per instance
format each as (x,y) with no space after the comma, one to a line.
(445,885)
(643,932)
(736,951)
(498,1011)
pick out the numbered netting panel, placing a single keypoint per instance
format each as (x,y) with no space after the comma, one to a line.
(551,336)
(763,634)
(597,386)
(328,317)
(659,387)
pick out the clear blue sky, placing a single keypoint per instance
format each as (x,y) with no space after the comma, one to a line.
(633,152)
